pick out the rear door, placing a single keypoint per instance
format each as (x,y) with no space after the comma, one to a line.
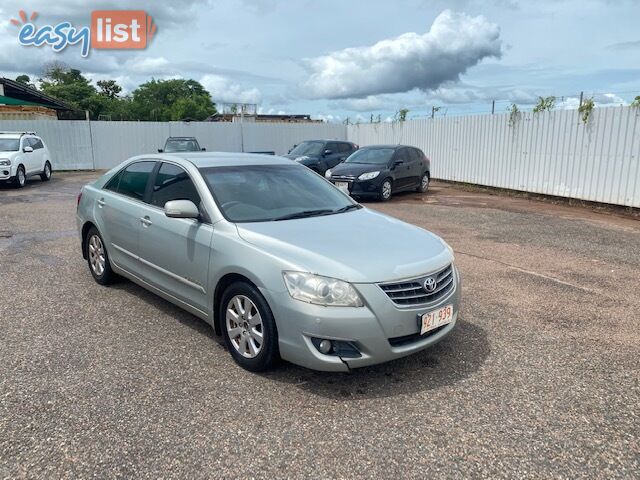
(38,150)
(119,211)
(416,166)
(174,252)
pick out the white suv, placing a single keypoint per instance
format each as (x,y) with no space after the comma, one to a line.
(23,154)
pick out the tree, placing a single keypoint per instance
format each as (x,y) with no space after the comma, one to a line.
(25,80)
(109,88)
(67,85)
(177,99)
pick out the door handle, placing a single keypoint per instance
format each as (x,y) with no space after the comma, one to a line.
(100,203)
(146,221)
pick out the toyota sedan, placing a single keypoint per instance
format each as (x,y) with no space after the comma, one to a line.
(278,260)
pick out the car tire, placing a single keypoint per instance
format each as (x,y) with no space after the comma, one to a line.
(424,184)
(20,180)
(251,341)
(45,176)
(385,190)
(98,258)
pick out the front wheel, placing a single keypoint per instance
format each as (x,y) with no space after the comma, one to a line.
(385,190)
(45,176)
(20,180)
(424,184)
(248,327)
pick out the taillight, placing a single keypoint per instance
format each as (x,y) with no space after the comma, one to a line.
(79,198)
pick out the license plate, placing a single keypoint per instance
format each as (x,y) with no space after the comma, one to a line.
(435,319)
(344,186)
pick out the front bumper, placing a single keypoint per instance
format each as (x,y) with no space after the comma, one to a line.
(371,329)
(7,172)
(362,187)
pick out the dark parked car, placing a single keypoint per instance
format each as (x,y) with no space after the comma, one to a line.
(320,155)
(181,144)
(379,170)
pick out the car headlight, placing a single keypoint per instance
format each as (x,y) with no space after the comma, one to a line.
(368,176)
(448,247)
(327,174)
(5,162)
(326,291)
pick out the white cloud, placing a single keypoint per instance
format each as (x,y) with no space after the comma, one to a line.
(223,90)
(147,65)
(454,43)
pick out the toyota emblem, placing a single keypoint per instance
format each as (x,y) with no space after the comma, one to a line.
(429,284)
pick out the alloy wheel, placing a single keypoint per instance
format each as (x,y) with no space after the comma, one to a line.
(96,255)
(22,179)
(424,184)
(47,170)
(386,189)
(244,326)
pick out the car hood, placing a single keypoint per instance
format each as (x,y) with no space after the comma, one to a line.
(356,169)
(306,157)
(361,246)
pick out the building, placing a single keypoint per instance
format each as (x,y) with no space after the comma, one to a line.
(20,102)
(261,118)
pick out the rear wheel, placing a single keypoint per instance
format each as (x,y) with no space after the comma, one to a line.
(20,180)
(424,184)
(45,176)
(385,190)
(98,258)
(248,327)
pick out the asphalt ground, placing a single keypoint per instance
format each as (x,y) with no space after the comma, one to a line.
(540,379)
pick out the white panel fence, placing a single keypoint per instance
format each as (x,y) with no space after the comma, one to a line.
(82,145)
(551,153)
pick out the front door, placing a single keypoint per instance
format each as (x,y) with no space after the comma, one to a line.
(402,170)
(174,252)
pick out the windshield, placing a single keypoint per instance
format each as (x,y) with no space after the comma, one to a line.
(181,145)
(308,148)
(374,156)
(261,193)
(9,144)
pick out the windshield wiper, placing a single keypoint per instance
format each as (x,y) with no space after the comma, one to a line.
(304,214)
(346,208)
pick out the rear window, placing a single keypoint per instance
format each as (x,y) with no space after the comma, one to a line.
(132,181)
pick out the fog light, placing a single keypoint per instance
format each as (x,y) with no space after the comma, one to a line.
(325,346)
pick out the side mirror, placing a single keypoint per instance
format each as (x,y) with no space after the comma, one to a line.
(27,149)
(160,150)
(181,209)
(327,152)
(203,149)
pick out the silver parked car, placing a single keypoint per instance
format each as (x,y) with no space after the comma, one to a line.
(278,260)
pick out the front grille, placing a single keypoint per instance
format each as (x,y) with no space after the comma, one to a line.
(414,337)
(343,178)
(413,292)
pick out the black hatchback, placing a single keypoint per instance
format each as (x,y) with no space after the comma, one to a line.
(380,170)
(320,155)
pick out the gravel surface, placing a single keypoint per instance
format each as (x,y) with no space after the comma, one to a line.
(540,378)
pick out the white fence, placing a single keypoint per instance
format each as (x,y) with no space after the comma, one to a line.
(82,145)
(552,153)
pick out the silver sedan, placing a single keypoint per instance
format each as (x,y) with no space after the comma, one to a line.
(280,262)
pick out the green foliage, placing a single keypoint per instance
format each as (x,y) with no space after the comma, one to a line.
(176,99)
(545,104)
(401,115)
(67,85)
(586,108)
(25,80)
(109,88)
(514,114)
(634,104)
(374,119)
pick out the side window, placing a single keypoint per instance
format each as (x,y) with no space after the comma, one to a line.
(25,142)
(333,146)
(134,178)
(415,155)
(173,183)
(36,143)
(344,147)
(401,155)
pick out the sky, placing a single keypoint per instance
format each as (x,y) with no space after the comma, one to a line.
(354,58)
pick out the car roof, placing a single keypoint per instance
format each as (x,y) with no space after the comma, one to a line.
(181,138)
(221,159)
(325,140)
(384,146)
